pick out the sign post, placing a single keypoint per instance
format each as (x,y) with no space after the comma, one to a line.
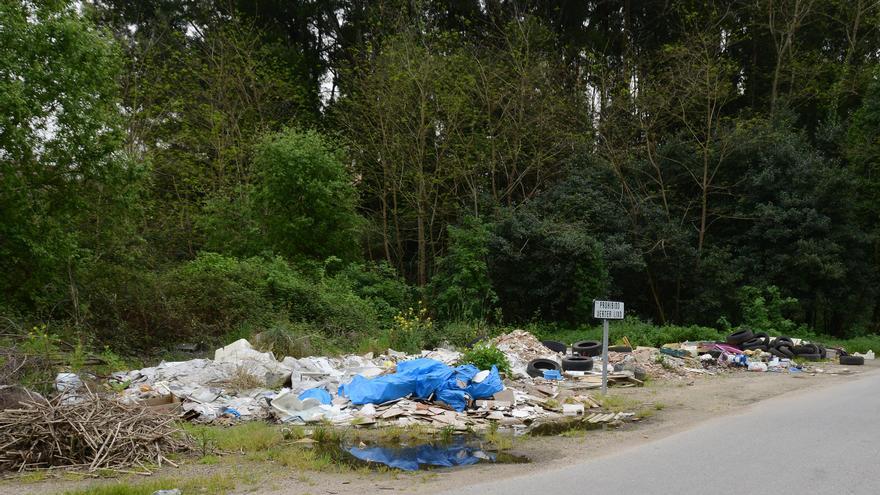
(606,310)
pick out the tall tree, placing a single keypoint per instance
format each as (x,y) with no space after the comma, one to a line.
(65,186)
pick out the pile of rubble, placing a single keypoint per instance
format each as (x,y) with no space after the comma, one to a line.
(521,347)
(242,383)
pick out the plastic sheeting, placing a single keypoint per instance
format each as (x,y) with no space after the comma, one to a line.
(424,378)
(320,394)
(410,458)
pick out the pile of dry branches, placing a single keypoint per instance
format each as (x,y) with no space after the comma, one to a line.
(94,433)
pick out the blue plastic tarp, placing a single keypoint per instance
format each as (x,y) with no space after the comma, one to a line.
(378,390)
(488,387)
(424,378)
(321,394)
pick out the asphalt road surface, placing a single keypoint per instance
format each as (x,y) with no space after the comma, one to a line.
(822,441)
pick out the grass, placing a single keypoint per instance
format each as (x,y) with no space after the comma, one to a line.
(245,437)
(618,403)
(645,413)
(216,484)
(243,379)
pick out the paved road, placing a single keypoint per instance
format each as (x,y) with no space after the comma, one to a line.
(825,441)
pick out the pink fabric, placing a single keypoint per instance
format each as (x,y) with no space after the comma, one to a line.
(728,349)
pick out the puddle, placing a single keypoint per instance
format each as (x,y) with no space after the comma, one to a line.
(558,428)
(459,451)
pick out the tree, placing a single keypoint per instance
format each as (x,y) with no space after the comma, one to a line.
(65,187)
(461,287)
(304,197)
(545,269)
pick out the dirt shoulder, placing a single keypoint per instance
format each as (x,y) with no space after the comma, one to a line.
(668,407)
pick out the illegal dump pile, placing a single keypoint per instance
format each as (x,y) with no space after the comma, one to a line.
(91,434)
(430,389)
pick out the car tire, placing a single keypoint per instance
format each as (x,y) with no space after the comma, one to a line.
(577,363)
(620,348)
(537,367)
(589,348)
(738,337)
(555,346)
(786,351)
(810,357)
(786,341)
(852,360)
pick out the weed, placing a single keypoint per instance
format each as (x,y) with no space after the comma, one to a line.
(574,433)
(659,406)
(446,433)
(220,483)
(645,413)
(484,356)
(618,403)
(242,379)
(246,437)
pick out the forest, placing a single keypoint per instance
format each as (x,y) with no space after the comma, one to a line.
(345,174)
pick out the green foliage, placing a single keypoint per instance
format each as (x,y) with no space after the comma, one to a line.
(66,189)
(461,285)
(540,267)
(637,331)
(764,309)
(484,356)
(215,295)
(410,330)
(380,284)
(304,196)
(299,339)
(463,333)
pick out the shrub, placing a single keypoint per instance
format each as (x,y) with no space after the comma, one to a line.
(484,356)
(298,339)
(764,309)
(461,287)
(305,197)
(638,332)
(410,330)
(381,286)
(214,295)
(462,333)
(544,268)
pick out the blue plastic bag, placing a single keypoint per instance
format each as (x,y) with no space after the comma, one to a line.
(321,394)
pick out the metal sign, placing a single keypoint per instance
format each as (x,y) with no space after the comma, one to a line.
(608,310)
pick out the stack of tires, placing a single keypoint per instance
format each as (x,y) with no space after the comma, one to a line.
(580,359)
(782,347)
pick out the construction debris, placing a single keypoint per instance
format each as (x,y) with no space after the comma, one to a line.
(91,434)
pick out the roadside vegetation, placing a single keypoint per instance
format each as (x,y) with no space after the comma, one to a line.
(163,187)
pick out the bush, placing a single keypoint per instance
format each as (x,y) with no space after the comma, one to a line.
(638,332)
(461,287)
(484,356)
(764,309)
(214,295)
(305,196)
(545,269)
(462,333)
(410,330)
(299,339)
(381,286)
